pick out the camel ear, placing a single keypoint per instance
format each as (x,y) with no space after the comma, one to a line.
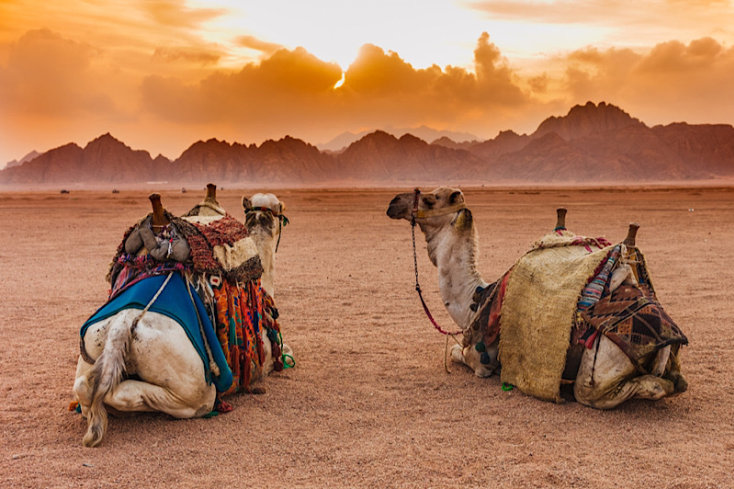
(281,206)
(246,204)
(456,197)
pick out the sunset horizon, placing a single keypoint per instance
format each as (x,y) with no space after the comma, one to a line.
(162,75)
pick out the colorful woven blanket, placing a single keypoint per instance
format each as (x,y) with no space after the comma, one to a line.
(174,302)
(220,246)
(116,265)
(238,323)
(635,321)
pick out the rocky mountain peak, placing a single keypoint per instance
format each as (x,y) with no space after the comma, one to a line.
(586,119)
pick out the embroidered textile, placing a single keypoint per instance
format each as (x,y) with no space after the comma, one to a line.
(203,238)
(635,321)
(238,323)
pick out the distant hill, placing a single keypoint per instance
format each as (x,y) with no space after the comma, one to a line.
(425,133)
(289,161)
(28,157)
(591,144)
(380,156)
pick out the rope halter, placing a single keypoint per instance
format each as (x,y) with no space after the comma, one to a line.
(425,214)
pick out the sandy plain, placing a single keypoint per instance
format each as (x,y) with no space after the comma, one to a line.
(369,403)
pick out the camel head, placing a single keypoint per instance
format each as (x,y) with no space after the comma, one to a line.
(265,212)
(438,208)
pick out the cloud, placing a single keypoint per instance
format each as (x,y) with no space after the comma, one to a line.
(380,88)
(287,83)
(189,55)
(175,13)
(671,81)
(651,13)
(558,12)
(50,75)
(251,42)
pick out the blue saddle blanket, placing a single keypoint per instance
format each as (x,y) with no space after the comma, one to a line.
(175,303)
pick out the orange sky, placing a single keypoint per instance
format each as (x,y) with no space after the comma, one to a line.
(161,74)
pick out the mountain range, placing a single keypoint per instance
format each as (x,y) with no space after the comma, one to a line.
(591,144)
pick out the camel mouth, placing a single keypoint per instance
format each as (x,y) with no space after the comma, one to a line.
(401,206)
(396,210)
(393,212)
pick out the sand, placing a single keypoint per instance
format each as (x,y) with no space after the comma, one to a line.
(369,403)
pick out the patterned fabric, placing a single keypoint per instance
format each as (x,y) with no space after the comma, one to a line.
(133,269)
(115,265)
(239,313)
(203,238)
(487,323)
(594,290)
(635,321)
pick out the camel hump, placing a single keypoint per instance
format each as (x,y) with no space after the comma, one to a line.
(159,214)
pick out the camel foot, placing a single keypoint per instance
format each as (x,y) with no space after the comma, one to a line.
(456,355)
(680,384)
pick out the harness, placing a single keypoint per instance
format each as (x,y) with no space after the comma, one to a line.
(416,214)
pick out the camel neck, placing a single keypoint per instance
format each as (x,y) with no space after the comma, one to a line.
(265,244)
(454,251)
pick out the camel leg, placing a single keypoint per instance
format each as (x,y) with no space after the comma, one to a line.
(81,389)
(138,396)
(470,357)
(609,379)
(661,361)
(673,373)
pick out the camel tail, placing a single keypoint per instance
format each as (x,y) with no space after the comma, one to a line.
(105,376)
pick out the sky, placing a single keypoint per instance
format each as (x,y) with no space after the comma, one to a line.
(160,75)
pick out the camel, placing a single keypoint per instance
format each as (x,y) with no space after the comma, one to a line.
(143,361)
(265,220)
(604,378)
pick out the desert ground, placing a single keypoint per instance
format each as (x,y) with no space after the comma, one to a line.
(369,403)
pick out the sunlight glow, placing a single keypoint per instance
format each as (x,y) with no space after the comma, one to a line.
(341,81)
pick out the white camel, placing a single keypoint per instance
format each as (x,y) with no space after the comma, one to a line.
(163,370)
(452,243)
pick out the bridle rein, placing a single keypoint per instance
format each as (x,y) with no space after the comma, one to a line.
(416,214)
